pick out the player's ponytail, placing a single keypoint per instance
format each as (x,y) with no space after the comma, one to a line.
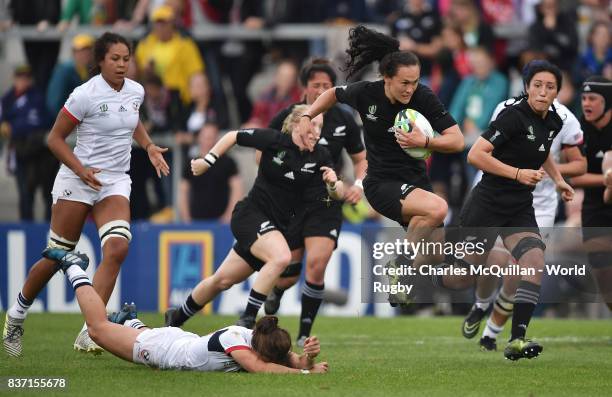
(367,46)
(271,342)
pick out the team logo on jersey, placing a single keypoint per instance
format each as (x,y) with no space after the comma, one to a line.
(145,355)
(308,167)
(67,193)
(122,109)
(405,187)
(135,106)
(531,135)
(265,226)
(104,107)
(542,149)
(290,175)
(371,111)
(278,159)
(340,131)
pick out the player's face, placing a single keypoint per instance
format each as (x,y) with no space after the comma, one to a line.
(400,87)
(318,84)
(593,106)
(114,67)
(542,91)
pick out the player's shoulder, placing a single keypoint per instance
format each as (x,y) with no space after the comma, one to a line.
(237,330)
(133,86)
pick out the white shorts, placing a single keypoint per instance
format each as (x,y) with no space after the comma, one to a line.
(72,188)
(152,346)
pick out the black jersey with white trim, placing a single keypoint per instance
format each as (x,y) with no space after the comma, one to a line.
(596,144)
(386,159)
(340,131)
(522,139)
(284,172)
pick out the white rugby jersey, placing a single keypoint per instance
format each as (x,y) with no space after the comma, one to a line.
(210,352)
(106,121)
(545,192)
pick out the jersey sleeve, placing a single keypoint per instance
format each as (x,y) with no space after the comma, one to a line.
(76,105)
(325,157)
(258,138)
(502,129)
(277,121)
(232,340)
(435,112)
(354,142)
(571,132)
(349,94)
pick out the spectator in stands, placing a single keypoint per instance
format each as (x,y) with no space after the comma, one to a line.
(71,74)
(41,55)
(195,199)
(599,51)
(166,53)
(451,63)
(476,33)
(24,119)
(417,27)
(285,91)
(89,12)
(203,109)
(554,32)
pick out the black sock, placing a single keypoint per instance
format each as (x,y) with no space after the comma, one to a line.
(188,309)
(255,301)
(312,296)
(279,292)
(525,301)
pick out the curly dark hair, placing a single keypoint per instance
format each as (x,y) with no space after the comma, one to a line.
(102,45)
(271,342)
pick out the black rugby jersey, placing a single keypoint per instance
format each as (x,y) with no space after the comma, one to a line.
(284,172)
(386,159)
(340,131)
(596,144)
(521,138)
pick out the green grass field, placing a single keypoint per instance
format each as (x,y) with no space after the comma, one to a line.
(367,356)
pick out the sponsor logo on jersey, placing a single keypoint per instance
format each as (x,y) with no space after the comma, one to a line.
(586,88)
(340,131)
(599,155)
(122,109)
(333,232)
(542,149)
(278,159)
(308,167)
(371,111)
(531,135)
(494,137)
(290,175)
(249,132)
(323,141)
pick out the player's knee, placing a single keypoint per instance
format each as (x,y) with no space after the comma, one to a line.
(115,250)
(281,260)
(292,271)
(57,241)
(223,282)
(315,267)
(526,245)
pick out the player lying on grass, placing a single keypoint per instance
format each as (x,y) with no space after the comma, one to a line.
(267,348)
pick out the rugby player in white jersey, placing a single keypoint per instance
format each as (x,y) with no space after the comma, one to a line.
(266,348)
(567,145)
(104,112)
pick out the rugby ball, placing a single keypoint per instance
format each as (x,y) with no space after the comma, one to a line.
(402,120)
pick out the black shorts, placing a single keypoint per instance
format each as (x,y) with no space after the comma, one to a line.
(322,219)
(384,195)
(248,223)
(485,218)
(596,222)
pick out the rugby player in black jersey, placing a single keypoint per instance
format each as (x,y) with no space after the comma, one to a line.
(596,123)
(259,221)
(511,154)
(396,185)
(316,226)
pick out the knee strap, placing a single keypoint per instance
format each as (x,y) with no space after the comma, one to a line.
(599,260)
(525,244)
(294,269)
(118,228)
(57,241)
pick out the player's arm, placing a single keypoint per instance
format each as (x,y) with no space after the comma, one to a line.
(183,200)
(587,180)
(360,166)
(450,140)
(567,193)
(64,124)
(306,360)
(156,157)
(248,360)
(606,167)
(201,165)
(575,163)
(304,128)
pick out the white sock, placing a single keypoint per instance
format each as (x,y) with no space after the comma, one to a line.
(492,329)
(134,323)
(20,308)
(77,277)
(484,303)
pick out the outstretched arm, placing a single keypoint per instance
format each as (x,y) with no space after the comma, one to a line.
(201,165)
(304,129)
(248,360)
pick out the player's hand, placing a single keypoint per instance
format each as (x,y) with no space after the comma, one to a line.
(408,140)
(529,177)
(157,159)
(567,192)
(312,347)
(329,175)
(199,166)
(320,368)
(307,134)
(88,175)
(353,195)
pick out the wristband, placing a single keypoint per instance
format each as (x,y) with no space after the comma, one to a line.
(359,183)
(147,147)
(331,188)
(426,141)
(210,158)
(305,371)
(517,172)
(306,115)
